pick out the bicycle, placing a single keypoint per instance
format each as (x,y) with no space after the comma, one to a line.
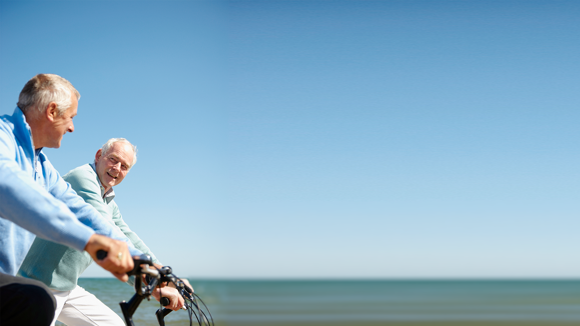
(153,277)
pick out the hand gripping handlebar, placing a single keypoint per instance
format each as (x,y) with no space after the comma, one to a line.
(143,266)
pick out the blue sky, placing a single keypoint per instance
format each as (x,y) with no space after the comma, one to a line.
(325,139)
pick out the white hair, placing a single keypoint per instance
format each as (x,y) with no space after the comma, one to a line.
(107,146)
(43,89)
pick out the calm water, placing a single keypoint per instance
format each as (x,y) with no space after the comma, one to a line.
(367,302)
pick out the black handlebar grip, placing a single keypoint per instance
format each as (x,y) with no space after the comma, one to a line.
(165,301)
(101,254)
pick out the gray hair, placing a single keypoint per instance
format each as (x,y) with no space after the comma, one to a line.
(43,89)
(107,146)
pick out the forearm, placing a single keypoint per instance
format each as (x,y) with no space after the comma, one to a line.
(83,197)
(133,237)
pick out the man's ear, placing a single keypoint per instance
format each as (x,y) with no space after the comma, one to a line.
(51,111)
(98,155)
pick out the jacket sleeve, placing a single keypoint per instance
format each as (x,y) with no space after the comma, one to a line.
(27,204)
(86,203)
(137,242)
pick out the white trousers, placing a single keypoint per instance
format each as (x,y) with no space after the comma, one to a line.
(80,308)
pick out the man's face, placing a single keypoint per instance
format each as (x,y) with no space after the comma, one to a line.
(112,167)
(62,124)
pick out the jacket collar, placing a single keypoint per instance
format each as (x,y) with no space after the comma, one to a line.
(22,132)
(107,196)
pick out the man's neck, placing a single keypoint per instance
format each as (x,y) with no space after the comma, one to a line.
(104,190)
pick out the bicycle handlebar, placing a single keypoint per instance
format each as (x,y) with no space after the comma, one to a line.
(101,254)
(153,278)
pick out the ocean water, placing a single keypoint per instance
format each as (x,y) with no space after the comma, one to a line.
(366,302)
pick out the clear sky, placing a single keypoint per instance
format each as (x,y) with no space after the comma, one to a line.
(325,139)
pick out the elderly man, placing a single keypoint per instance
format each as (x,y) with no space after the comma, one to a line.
(34,199)
(62,266)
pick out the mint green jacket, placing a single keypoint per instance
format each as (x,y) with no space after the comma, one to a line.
(58,266)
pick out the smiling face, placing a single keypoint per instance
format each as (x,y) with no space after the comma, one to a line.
(113,166)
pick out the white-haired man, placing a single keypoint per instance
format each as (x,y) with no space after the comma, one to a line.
(62,266)
(35,200)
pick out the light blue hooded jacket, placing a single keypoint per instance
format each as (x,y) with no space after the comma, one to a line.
(34,198)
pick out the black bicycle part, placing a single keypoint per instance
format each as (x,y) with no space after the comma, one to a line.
(152,279)
(160,314)
(101,254)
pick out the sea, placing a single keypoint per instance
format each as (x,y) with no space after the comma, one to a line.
(366,302)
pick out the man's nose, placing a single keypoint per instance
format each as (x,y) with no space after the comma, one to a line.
(71,128)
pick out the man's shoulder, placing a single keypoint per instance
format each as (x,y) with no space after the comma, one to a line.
(6,124)
(8,135)
(83,169)
(81,172)
(13,123)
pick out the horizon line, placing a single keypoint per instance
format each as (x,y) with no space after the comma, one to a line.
(547,278)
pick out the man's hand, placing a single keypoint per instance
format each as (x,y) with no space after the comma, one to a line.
(176,300)
(118,260)
(185,281)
